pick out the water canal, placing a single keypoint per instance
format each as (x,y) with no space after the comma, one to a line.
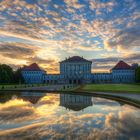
(49,116)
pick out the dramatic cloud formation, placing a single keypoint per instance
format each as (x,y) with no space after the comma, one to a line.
(47,31)
(107,63)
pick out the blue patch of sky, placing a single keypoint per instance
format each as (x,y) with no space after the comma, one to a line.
(31,1)
(18,18)
(90,54)
(51,5)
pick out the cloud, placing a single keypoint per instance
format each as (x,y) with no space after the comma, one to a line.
(107,63)
(69,27)
(124,40)
(74,4)
(16,50)
(98,6)
(26,54)
(21,36)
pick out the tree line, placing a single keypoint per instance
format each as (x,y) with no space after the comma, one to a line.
(138,74)
(9,76)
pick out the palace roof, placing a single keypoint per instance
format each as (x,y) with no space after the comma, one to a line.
(121,65)
(32,67)
(32,99)
(76,59)
(76,107)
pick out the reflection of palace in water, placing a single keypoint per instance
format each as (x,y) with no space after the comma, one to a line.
(75,102)
(69,101)
(32,97)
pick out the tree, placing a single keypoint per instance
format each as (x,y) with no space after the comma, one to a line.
(138,74)
(6,74)
(18,78)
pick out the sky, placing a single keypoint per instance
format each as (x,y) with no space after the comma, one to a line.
(48,31)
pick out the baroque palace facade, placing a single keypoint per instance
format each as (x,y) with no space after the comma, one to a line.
(77,70)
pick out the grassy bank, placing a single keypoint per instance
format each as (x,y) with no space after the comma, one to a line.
(132,88)
(14,86)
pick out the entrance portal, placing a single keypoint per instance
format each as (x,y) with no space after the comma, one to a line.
(70,81)
(74,81)
(79,81)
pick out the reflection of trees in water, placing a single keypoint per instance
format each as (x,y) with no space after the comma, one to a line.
(32,97)
(6,96)
(75,102)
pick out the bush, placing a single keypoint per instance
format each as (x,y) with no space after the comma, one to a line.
(2,87)
(138,74)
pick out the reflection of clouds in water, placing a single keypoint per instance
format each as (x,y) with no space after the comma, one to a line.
(102,101)
(61,127)
(56,122)
(126,122)
(111,117)
(20,110)
(50,100)
(48,105)
(16,110)
(129,122)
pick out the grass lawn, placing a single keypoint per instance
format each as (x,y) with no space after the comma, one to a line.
(13,86)
(111,88)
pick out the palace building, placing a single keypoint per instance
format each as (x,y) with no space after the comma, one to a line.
(33,74)
(123,73)
(77,70)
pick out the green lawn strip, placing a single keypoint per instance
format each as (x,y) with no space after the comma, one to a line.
(111,88)
(14,86)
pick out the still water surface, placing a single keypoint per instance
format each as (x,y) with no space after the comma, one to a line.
(49,116)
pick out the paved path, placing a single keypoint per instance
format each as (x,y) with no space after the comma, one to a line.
(43,88)
(47,88)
